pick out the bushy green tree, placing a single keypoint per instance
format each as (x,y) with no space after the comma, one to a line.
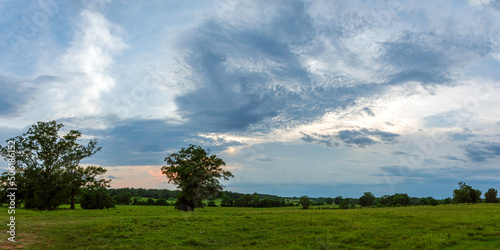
(44,161)
(491,196)
(124,198)
(368,199)
(161,202)
(78,177)
(432,201)
(466,194)
(227,201)
(196,173)
(305,202)
(97,198)
(344,204)
(150,201)
(424,201)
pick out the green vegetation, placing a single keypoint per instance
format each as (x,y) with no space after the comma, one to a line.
(466,194)
(44,166)
(138,227)
(196,173)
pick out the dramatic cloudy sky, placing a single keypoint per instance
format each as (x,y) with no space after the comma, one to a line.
(318,98)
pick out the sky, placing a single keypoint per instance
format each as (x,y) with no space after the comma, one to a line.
(317,98)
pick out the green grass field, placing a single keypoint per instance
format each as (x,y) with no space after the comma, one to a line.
(150,227)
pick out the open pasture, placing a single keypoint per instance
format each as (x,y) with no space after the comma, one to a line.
(149,227)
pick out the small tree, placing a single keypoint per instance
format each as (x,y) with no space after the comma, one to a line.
(305,202)
(150,201)
(491,196)
(344,204)
(161,202)
(196,173)
(368,199)
(78,177)
(97,198)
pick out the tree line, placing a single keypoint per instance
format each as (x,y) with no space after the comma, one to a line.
(47,173)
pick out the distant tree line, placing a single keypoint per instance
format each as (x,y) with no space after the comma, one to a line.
(44,168)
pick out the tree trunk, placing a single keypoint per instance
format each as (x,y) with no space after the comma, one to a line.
(72,199)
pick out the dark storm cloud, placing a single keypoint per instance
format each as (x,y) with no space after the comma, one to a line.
(482,151)
(234,98)
(248,74)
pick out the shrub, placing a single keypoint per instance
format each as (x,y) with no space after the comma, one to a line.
(96,199)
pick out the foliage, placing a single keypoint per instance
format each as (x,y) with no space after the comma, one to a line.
(211,204)
(329,201)
(424,201)
(395,200)
(97,198)
(196,173)
(305,202)
(447,201)
(344,204)
(227,201)
(161,202)
(466,194)
(142,192)
(124,198)
(368,199)
(433,202)
(338,199)
(150,201)
(491,196)
(255,200)
(79,177)
(45,162)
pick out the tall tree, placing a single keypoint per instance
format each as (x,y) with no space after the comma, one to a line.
(466,194)
(42,158)
(491,195)
(196,172)
(305,202)
(368,199)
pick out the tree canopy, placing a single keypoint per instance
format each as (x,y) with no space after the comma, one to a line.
(47,165)
(368,199)
(305,202)
(196,173)
(491,195)
(466,194)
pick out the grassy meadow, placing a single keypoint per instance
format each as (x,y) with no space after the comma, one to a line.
(150,227)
